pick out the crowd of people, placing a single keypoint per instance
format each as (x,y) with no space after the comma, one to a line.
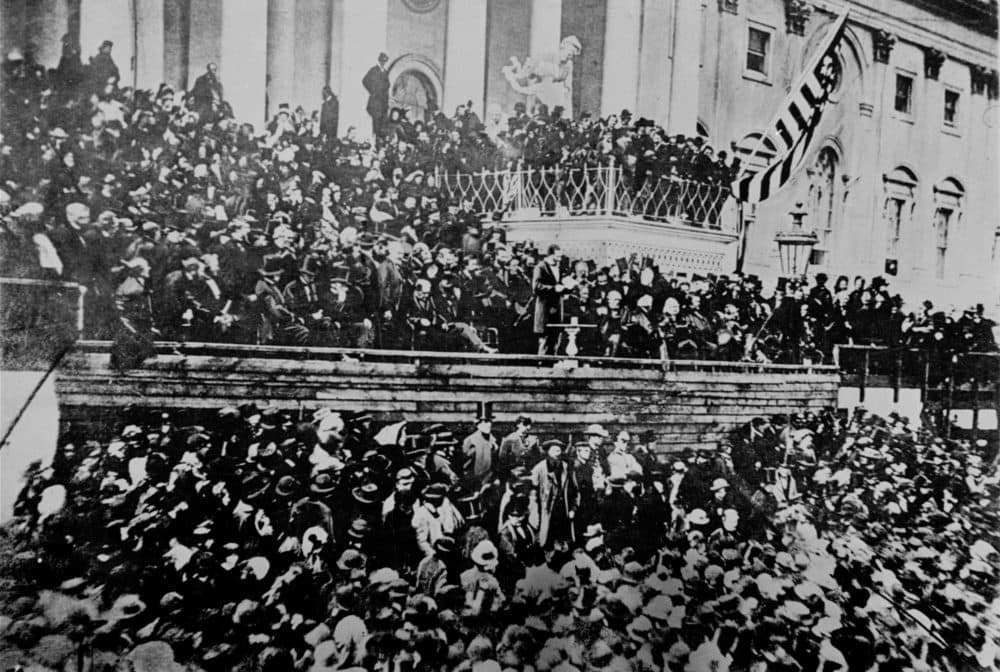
(184,224)
(255,542)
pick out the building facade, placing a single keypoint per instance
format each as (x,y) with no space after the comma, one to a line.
(901,179)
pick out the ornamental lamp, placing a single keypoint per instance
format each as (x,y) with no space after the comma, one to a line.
(795,246)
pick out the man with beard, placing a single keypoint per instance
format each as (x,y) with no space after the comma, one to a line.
(517,448)
(557,496)
(344,306)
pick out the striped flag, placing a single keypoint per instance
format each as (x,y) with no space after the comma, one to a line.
(793,127)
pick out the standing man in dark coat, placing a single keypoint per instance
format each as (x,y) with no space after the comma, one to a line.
(376,83)
(548,290)
(329,115)
(206,94)
(102,66)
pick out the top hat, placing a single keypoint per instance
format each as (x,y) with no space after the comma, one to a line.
(271,267)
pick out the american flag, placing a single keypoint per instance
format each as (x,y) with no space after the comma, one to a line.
(793,127)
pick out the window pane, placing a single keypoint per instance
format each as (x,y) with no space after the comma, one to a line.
(950,107)
(904,91)
(757,51)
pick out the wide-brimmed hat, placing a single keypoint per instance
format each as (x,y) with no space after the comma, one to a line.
(359,529)
(484,552)
(444,545)
(719,484)
(435,492)
(366,493)
(351,559)
(287,487)
(322,484)
(596,430)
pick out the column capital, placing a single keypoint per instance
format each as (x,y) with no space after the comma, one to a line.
(933,60)
(797,16)
(882,43)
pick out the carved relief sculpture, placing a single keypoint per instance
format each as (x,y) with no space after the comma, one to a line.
(548,77)
(984,80)
(797,16)
(883,41)
(933,60)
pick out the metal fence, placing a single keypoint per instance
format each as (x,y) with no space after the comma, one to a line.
(595,190)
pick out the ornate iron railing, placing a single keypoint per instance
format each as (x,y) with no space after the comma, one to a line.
(593,190)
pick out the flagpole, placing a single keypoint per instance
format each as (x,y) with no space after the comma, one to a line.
(798,83)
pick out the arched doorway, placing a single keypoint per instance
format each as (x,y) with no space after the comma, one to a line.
(414,92)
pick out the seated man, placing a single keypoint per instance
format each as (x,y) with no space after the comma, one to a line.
(459,334)
(344,305)
(421,316)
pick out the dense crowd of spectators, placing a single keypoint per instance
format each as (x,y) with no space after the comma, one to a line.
(252,542)
(184,224)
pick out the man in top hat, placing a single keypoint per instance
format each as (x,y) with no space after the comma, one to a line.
(278,323)
(302,297)
(479,452)
(343,304)
(376,83)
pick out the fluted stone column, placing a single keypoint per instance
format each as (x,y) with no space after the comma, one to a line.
(465,55)
(363,36)
(150,38)
(546,26)
(109,20)
(622,35)
(243,66)
(685,80)
(280,54)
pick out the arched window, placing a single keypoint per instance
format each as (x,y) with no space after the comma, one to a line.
(949,197)
(414,92)
(822,182)
(897,212)
(754,154)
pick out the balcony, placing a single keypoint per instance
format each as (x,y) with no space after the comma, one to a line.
(596,213)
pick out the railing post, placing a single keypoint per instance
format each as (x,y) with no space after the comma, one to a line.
(609,196)
(864,377)
(519,186)
(897,381)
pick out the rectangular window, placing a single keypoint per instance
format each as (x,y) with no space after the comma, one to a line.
(941,220)
(950,108)
(894,215)
(757,45)
(904,94)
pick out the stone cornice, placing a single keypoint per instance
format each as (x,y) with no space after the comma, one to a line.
(865,17)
